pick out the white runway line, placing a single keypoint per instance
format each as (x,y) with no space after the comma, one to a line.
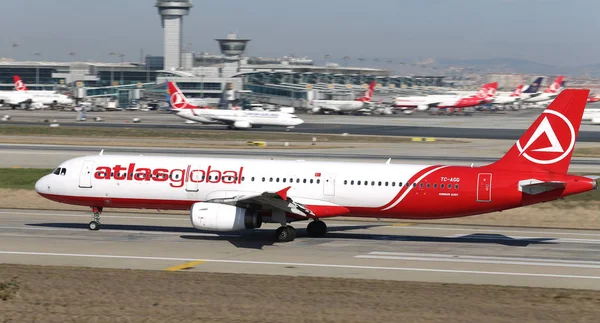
(100,256)
(478,230)
(545,262)
(117,231)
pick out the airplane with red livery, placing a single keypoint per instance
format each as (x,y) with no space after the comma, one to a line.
(344,106)
(240,194)
(233,119)
(484,95)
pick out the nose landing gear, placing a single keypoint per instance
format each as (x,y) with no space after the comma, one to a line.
(95,224)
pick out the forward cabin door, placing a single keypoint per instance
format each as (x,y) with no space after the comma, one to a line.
(85,176)
(329,184)
(193,178)
(484,187)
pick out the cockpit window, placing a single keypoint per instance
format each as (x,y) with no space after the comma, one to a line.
(56,171)
(63,171)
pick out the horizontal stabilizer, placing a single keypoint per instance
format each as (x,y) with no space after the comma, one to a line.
(534,186)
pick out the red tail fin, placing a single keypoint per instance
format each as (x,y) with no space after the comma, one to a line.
(19,85)
(555,86)
(549,142)
(518,91)
(177,99)
(487,91)
(368,93)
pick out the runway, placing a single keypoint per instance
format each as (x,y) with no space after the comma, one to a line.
(480,126)
(352,249)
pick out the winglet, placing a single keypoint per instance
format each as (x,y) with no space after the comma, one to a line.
(283,193)
(388,161)
(101,152)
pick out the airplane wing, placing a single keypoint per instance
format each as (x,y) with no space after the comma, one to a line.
(534,186)
(268,201)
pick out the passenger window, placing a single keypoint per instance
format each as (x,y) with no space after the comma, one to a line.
(284,179)
(386,183)
(414,184)
(311,181)
(304,181)
(399,184)
(358,183)
(297,180)
(379,183)
(428,185)
(318,181)
(270,179)
(441,185)
(345,182)
(352,182)
(373,183)
(252,179)
(63,171)
(434,185)
(393,184)
(366,183)
(263,179)
(456,186)
(277,180)
(408,184)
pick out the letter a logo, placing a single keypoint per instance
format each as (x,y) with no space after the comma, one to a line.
(556,147)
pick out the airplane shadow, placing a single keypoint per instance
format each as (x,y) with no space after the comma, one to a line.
(258,238)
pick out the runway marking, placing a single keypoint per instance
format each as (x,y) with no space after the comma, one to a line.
(402,224)
(187,265)
(180,218)
(247,262)
(420,227)
(481,259)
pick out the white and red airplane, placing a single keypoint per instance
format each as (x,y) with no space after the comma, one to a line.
(41,97)
(234,119)
(513,98)
(422,103)
(549,94)
(344,106)
(238,194)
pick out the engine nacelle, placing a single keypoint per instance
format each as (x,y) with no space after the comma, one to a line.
(422,107)
(316,110)
(242,124)
(222,217)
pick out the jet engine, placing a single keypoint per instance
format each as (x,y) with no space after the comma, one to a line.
(422,107)
(222,217)
(242,124)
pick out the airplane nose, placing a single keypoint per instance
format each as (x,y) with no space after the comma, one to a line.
(41,185)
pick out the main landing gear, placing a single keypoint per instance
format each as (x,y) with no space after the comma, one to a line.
(95,224)
(287,233)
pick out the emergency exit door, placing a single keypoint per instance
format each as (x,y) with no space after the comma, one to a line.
(329,184)
(484,187)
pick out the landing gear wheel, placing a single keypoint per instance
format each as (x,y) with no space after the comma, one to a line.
(316,228)
(94,226)
(285,234)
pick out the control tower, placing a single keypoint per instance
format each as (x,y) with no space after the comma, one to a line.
(171,13)
(232,45)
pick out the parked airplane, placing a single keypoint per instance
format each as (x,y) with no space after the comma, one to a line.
(549,94)
(13,98)
(510,99)
(344,106)
(41,97)
(593,98)
(234,119)
(238,194)
(423,103)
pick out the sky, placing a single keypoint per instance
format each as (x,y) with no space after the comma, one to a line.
(554,32)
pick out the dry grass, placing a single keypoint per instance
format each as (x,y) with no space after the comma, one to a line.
(63,294)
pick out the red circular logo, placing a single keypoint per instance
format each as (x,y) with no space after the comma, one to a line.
(552,140)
